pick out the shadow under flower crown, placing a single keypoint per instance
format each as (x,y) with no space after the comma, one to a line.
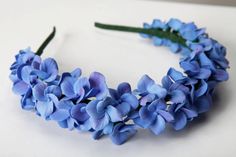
(87,104)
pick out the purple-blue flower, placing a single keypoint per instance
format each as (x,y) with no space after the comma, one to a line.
(74,86)
(124,99)
(46,97)
(70,115)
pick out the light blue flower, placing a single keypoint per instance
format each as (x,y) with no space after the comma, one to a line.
(47,97)
(182,113)
(154,116)
(103,112)
(70,115)
(122,132)
(125,100)
(81,88)
(149,90)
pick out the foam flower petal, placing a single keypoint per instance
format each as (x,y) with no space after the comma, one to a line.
(67,87)
(20,87)
(158,126)
(98,84)
(180,121)
(124,88)
(60,115)
(114,114)
(158,90)
(130,99)
(49,66)
(121,133)
(44,108)
(177,96)
(39,91)
(175,75)
(79,113)
(144,83)
(147,116)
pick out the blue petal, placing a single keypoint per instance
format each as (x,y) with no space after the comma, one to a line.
(158,126)
(157,41)
(39,91)
(121,133)
(144,83)
(147,116)
(91,109)
(76,73)
(60,115)
(166,115)
(79,113)
(130,99)
(20,88)
(177,96)
(175,24)
(203,73)
(63,124)
(180,121)
(158,90)
(124,88)
(147,99)
(98,84)
(174,47)
(114,114)
(97,134)
(203,104)
(44,108)
(49,66)
(64,104)
(156,23)
(202,89)
(124,108)
(175,75)
(221,75)
(190,113)
(26,74)
(67,87)
(205,61)
(99,124)
(166,82)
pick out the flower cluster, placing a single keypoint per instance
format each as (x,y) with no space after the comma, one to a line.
(87,104)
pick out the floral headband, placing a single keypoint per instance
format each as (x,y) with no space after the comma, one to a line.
(87,104)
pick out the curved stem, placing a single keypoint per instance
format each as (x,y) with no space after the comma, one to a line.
(173,36)
(46,42)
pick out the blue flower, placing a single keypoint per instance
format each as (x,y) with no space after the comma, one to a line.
(47,97)
(103,112)
(149,90)
(182,112)
(74,86)
(125,100)
(70,115)
(48,70)
(154,116)
(122,132)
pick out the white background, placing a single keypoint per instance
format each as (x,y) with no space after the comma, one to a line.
(120,57)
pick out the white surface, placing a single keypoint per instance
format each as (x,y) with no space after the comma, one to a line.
(120,57)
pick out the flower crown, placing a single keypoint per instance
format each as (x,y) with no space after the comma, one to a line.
(87,104)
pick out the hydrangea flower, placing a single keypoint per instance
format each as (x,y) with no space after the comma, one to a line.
(103,112)
(70,115)
(124,99)
(46,97)
(154,116)
(74,86)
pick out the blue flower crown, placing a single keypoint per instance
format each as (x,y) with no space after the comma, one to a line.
(87,104)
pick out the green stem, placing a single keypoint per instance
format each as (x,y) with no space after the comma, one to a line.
(173,36)
(46,42)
